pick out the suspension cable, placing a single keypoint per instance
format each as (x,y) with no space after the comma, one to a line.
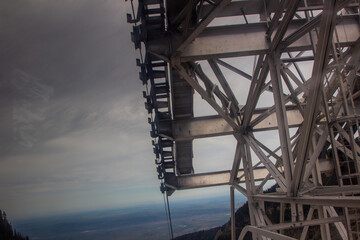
(167,215)
(170,222)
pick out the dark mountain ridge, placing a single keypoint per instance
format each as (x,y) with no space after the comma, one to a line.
(6,230)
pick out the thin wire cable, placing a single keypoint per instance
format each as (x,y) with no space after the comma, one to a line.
(167,215)
(168,206)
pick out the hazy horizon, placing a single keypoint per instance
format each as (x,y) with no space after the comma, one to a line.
(144,221)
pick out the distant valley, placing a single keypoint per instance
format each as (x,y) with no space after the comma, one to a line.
(142,222)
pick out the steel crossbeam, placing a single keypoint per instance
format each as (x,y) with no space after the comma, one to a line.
(263,232)
(232,41)
(211,179)
(336,201)
(212,126)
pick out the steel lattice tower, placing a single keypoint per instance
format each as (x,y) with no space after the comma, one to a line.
(303,57)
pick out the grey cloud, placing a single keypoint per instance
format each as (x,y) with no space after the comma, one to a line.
(90,134)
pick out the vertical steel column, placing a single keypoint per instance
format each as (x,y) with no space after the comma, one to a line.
(248,180)
(324,228)
(232,209)
(327,24)
(281,119)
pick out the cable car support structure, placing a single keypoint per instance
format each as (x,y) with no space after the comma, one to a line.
(301,81)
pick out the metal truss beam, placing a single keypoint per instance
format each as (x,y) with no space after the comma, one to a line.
(264,233)
(212,179)
(304,56)
(203,93)
(233,41)
(250,7)
(327,26)
(212,126)
(335,190)
(270,166)
(281,117)
(336,201)
(300,224)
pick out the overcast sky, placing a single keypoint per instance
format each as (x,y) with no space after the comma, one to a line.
(74,130)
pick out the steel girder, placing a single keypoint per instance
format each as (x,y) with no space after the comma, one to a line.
(303,85)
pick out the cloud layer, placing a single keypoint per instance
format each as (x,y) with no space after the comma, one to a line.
(87,145)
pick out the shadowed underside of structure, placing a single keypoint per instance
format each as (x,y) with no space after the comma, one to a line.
(299,81)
